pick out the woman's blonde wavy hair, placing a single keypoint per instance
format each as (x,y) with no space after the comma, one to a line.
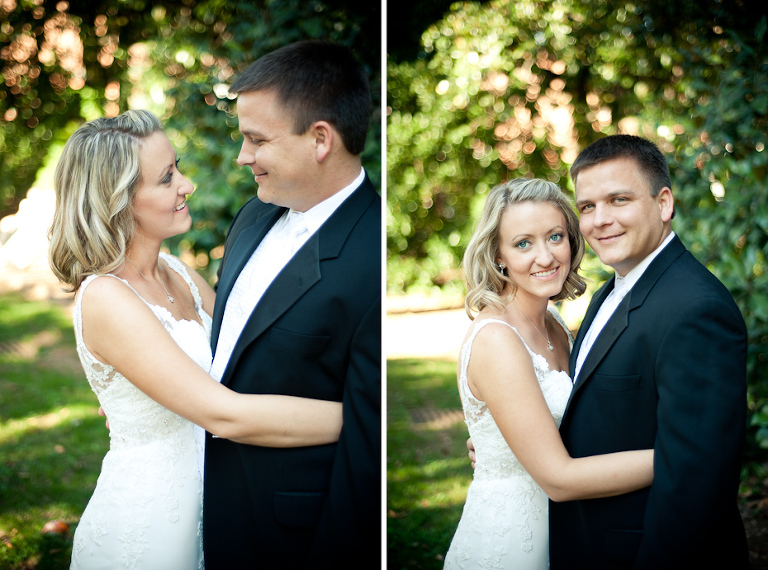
(485,281)
(96,180)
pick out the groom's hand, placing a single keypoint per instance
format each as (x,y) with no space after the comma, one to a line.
(471,448)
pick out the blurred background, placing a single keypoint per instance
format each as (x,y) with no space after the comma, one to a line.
(485,91)
(477,93)
(63,63)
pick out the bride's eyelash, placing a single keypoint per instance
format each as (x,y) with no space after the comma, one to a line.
(169,176)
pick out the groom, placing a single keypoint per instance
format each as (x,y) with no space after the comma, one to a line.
(659,362)
(305,324)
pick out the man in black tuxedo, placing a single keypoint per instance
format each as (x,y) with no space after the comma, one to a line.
(306,324)
(659,362)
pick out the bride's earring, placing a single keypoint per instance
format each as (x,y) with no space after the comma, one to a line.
(500,266)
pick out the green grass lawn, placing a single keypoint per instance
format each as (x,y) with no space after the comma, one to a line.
(51,439)
(428,471)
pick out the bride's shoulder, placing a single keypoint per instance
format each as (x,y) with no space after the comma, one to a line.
(490,319)
(109,296)
(97,287)
(490,334)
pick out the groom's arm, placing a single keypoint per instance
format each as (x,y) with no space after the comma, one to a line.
(700,432)
(350,526)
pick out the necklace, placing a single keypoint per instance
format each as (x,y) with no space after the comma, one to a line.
(161,280)
(549,344)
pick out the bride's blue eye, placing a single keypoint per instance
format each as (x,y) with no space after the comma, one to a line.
(169,176)
(522,244)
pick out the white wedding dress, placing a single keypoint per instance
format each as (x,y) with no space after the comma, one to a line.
(146,511)
(505,522)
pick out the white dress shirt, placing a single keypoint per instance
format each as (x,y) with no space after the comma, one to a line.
(274,252)
(621,287)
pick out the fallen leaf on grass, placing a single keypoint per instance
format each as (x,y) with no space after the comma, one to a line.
(55,527)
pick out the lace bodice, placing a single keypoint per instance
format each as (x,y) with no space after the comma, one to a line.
(134,418)
(494,457)
(149,492)
(505,519)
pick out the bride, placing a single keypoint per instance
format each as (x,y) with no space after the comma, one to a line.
(514,384)
(142,325)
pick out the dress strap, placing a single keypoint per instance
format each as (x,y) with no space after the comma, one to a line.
(538,359)
(176,264)
(77,314)
(559,319)
(77,310)
(466,352)
(91,278)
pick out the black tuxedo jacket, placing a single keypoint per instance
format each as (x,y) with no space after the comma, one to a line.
(315,333)
(667,372)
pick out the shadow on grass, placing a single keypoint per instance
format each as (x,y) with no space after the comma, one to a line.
(39,370)
(428,471)
(21,319)
(52,469)
(52,441)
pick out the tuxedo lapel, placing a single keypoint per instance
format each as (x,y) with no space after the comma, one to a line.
(620,318)
(245,244)
(303,271)
(590,315)
(603,343)
(297,277)
(335,231)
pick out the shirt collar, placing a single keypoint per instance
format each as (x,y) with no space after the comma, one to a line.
(318,214)
(629,280)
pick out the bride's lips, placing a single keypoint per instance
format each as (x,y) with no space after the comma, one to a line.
(547,275)
(181,207)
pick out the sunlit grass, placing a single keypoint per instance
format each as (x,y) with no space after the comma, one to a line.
(51,439)
(12,430)
(428,471)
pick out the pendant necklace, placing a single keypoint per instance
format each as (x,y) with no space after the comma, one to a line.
(549,344)
(163,281)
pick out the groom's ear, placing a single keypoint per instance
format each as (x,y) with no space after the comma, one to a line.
(666,204)
(324,137)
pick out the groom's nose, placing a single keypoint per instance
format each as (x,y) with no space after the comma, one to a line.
(245,157)
(601,216)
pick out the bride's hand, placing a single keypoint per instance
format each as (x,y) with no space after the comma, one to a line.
(471,448)
(103,413)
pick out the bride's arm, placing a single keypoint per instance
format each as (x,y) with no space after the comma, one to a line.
(120,330)
(501,374)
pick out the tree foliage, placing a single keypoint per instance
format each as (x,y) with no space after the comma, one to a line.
(66,62)
(59,64)
(508,89)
